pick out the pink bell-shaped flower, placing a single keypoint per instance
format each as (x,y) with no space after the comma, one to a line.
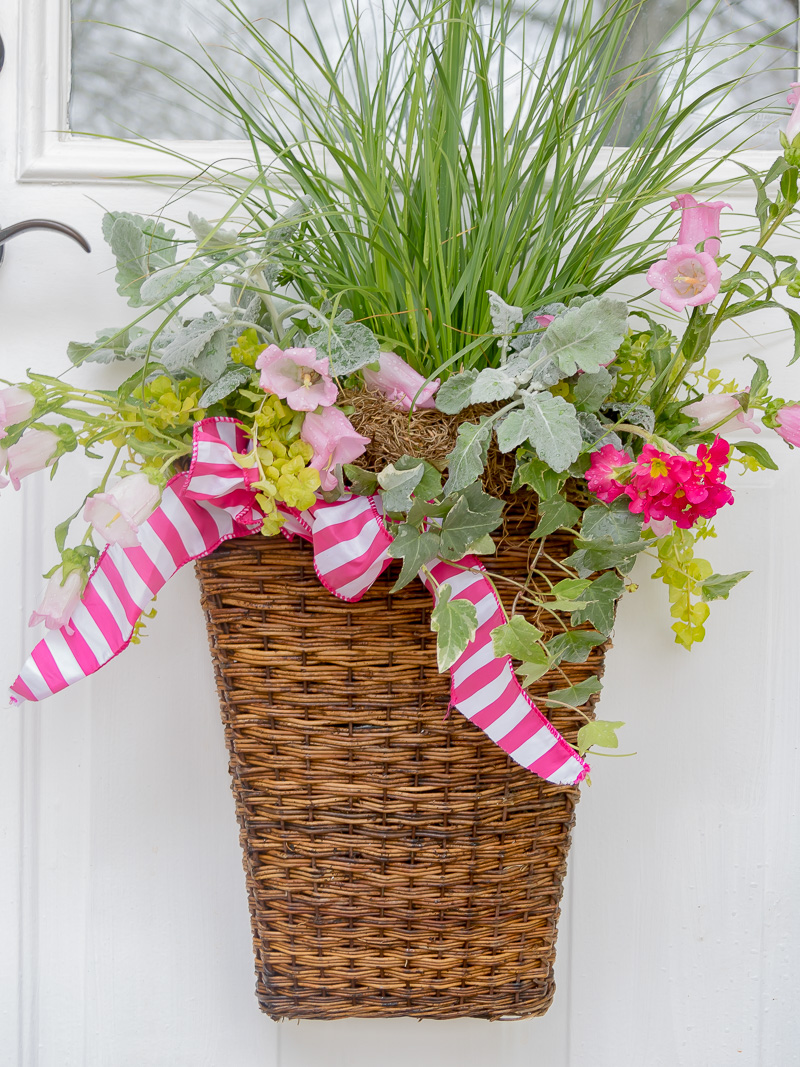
(400,383)
(788,427)
(117,514)
(685,278)
(699,222)
(16,406)
(334,440)
(33,452)
(712,409)
(297,377)
(59,601)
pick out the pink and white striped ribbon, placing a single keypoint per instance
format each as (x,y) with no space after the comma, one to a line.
(214,502)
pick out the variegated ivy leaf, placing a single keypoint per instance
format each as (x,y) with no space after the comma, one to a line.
(590,390)
(141,247)
(455,394)
(398,484)
(517,638)
(474,514)
(494,383)
(598,602)
(612,520)
(484,546)
(415,549)
(549,423)
(533,668)
(466,462)
(532,472)
(586,337)
(578,693)
(184,279)
(362,482)
(555,514)
(505,317)
(574,646)
(600,732)
(348,345)
(224,386)
(455,622)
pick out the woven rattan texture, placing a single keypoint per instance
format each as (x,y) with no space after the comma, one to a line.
(397,862)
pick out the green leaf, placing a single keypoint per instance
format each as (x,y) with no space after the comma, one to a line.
(455,394)
(466,462)
(186,279)
(415,549)
(363,483)
(398,485)
(474,514)
(348,345)
(140,248)
(188,343)
(613,520)
(718,586)
(603,555)
(492,384)
(591,390)
(549,423)
(600,732)
(517,638)
(554,514)
(455,622)
(532,669)
(599,600)
(577,694)
(224,386)
(544,481)
(586,337)
(758,382)
(758,453)
(484,546)
(570,588)
(574,646)
(109,346)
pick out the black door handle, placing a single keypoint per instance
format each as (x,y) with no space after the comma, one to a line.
(41,224)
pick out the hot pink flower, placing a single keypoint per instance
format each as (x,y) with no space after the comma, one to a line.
(59,601)
(33,452)
(118,514)
(788,427)
(334,440)
(400,383)
(685,278)
(699,222)
(607,467)
(16,406)
(712,409)
(793,100)
(297,377)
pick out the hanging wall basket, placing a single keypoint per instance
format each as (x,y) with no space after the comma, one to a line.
(397,862)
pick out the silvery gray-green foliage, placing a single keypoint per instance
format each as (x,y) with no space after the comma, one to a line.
(349,346)
(504,318)
(586,336)
(141,247)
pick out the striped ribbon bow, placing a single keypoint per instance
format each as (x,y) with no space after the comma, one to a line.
(212,503)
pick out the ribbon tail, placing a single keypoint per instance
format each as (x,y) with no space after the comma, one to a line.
(121,587)
(485,689)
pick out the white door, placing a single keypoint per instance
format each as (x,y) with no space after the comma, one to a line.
(124,933)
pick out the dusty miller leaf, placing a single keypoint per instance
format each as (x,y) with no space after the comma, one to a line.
(504,318)
(140,248)
(586,337)
(455,394)
(186,344)
(224,386)
(549,423)
(591,390)
(637,414)
(348,345)
(185,279)
(492,384)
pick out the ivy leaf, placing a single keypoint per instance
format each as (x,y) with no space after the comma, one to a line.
(455,622)
(611,520)
(474,514)
(549,423)
(586,337)
(718,586)
(532,669)
(415,549)
(466,462)
(599,599)
(544,481)
(517,638)
(224,386)
(577,694)
(573,646)
(591,390)
(603,555)
(455,394)
(484,546)
(758,453)
(600,732)
(348,345)
(362,483)
(570,588)
(554,514)
(492,384)
(398,484)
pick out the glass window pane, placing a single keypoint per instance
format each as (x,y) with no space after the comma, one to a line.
(127,80)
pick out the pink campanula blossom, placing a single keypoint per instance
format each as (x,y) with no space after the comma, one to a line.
(685,278)
(117,514)
(59,601)
(544,320)
(699,222)
(793,100)
(400,383)
(33,452)
(297,377)
(712,409)
(788,419)
(3,462)
(16,406)
(660,527)
(334,440)
(608,467)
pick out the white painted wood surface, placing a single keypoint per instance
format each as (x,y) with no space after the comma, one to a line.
(124,936)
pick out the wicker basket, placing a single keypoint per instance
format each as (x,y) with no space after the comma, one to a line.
(398,863)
